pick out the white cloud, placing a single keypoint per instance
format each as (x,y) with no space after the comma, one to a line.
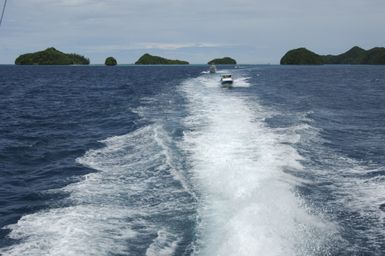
(174,46)
(151,45)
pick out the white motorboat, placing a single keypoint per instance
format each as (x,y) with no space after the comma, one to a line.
(213,69)
(227,80)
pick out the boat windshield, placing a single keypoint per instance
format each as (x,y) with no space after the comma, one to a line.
(226,76)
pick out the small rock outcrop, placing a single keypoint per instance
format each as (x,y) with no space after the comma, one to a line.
(110,61)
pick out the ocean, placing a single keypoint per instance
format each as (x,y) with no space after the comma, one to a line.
(161,160)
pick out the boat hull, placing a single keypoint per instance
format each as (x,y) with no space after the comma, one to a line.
(227,80)
(227,84)
(213,69)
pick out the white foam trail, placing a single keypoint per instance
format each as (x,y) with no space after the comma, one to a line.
(249,205)
(109,210)
(242,82)
(78,230)
(164,244)
(358,192)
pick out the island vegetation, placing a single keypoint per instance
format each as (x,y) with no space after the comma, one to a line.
(356,55)
(222,61)
(51,56)
(301,56)
(110,61)
(148,59)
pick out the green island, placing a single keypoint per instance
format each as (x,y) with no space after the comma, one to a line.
(356,55)
(110,61)
(148,59)
(51,56)
(222,61)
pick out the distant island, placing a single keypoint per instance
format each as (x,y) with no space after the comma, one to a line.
(356,55)
(148,59)
(51,56)
(110,61)
(222,61)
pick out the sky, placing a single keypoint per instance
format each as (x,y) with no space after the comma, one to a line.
(251,31)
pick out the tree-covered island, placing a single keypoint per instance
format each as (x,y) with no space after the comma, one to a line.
(222,61)
(148,59)
(51,56)
(356,55)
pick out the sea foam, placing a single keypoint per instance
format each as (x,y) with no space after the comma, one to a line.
(114,210)
(249,205)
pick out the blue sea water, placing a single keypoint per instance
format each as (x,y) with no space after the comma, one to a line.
(160,160)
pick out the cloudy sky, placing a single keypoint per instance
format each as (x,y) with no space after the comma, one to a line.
(251,31)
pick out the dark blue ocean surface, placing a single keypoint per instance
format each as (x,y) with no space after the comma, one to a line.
(156,160)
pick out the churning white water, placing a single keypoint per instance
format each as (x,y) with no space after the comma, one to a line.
(248,205)
(233,187)
(114,210)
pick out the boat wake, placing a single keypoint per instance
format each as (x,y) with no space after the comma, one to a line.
(204,176)
(133,204)
(249,205)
